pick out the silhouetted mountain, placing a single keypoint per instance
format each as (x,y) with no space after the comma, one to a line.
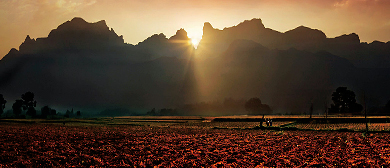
(176,46)
(286,79)
(216,41)
(87,65)
(371,55)
(77,33)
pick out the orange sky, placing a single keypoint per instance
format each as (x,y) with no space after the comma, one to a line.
(138,19)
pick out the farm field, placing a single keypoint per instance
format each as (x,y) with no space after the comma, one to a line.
(350,126)
(186,142)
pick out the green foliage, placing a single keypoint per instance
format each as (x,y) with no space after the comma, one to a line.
(26,103)
(28,100)
(344,102)
(2,104)
(31,111)
(68,113)
(17,107)
(163,112)
(254,106)
(151,112)
(46,111)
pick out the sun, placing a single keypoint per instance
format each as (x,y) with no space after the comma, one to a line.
(195,36)
(195,41)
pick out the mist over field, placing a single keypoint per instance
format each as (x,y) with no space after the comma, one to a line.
(88,66)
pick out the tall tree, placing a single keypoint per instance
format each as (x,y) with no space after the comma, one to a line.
(17,107)
(45,111)
(29,103)
(2,104)
(344,102)
(254,106)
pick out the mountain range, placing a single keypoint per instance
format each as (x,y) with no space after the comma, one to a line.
(88,66)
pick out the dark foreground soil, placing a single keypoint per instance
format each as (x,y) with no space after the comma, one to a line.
(48,145)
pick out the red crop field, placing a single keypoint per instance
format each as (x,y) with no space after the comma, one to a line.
(351,126)
(48,145)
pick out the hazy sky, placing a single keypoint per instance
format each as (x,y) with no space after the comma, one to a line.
(138,19)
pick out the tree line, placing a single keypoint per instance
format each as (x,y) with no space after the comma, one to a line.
(27,104)
(344,102)
(229,106)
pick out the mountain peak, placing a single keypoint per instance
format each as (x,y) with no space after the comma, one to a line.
(78,32)
(304,29)
(13,51)
(154,39)
(78,20)
(27,45)
(350,38)
(78,24)
(81,21)
(181,34)
(27,38)
(102,23)
(303,32)
(207,26)
(255,23)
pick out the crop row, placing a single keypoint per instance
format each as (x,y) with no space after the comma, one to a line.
(351,126)
(40,145)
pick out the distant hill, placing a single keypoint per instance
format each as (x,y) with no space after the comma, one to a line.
(87,65)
